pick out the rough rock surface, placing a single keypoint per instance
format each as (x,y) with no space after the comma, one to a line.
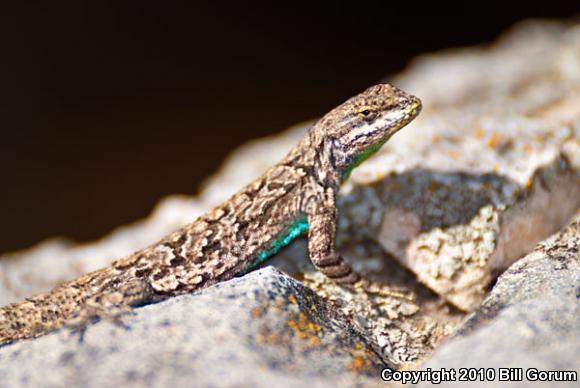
(490,168)
(262,330)
(530,319)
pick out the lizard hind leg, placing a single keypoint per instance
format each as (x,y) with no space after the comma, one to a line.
(111,305)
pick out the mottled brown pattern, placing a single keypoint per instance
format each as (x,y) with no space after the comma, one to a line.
(230,238)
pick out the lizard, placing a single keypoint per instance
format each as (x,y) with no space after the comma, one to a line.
(295,197)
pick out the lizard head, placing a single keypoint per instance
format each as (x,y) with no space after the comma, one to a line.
(361,125)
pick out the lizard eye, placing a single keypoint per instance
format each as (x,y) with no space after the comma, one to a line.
(367,114)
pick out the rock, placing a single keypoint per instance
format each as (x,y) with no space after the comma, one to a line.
(264,329)
(401,325)
(530,319)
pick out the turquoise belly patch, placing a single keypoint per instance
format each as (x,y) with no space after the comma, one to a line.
(299,227)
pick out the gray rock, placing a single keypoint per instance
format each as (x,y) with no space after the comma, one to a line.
(530,319)
(264,329)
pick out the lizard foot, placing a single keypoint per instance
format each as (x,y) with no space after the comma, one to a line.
(95,309)
(111,306)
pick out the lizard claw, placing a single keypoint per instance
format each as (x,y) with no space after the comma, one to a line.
(99,308)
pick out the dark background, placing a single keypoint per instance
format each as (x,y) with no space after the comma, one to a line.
(107,107)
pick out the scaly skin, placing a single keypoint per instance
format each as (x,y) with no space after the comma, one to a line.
(295,196)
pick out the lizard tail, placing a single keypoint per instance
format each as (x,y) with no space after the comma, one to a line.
(74,304)
(38,315)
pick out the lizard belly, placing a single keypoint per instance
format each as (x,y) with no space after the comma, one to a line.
(297,228)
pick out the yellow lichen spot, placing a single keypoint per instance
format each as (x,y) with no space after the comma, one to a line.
(495,168)
(303,327)
(436,139)
(494,140)
(479,133)
(256,312)
(273,339)
(359,363)
(315,341)
(454,154)
(313,326)
(395,186)
(528,148)
(292,299)
(433,186)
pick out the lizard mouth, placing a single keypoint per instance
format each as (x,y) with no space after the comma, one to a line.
(413,109)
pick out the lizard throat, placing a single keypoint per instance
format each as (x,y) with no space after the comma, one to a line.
(360,158)
(299,227)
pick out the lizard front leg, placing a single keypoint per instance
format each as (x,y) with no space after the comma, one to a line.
(322,231)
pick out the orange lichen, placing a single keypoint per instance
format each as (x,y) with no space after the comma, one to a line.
(303,327)
(274,339)
(256,312)
(454,154)
(359,363)
(315,341)
(433,186)
(494,140)
(479,133)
